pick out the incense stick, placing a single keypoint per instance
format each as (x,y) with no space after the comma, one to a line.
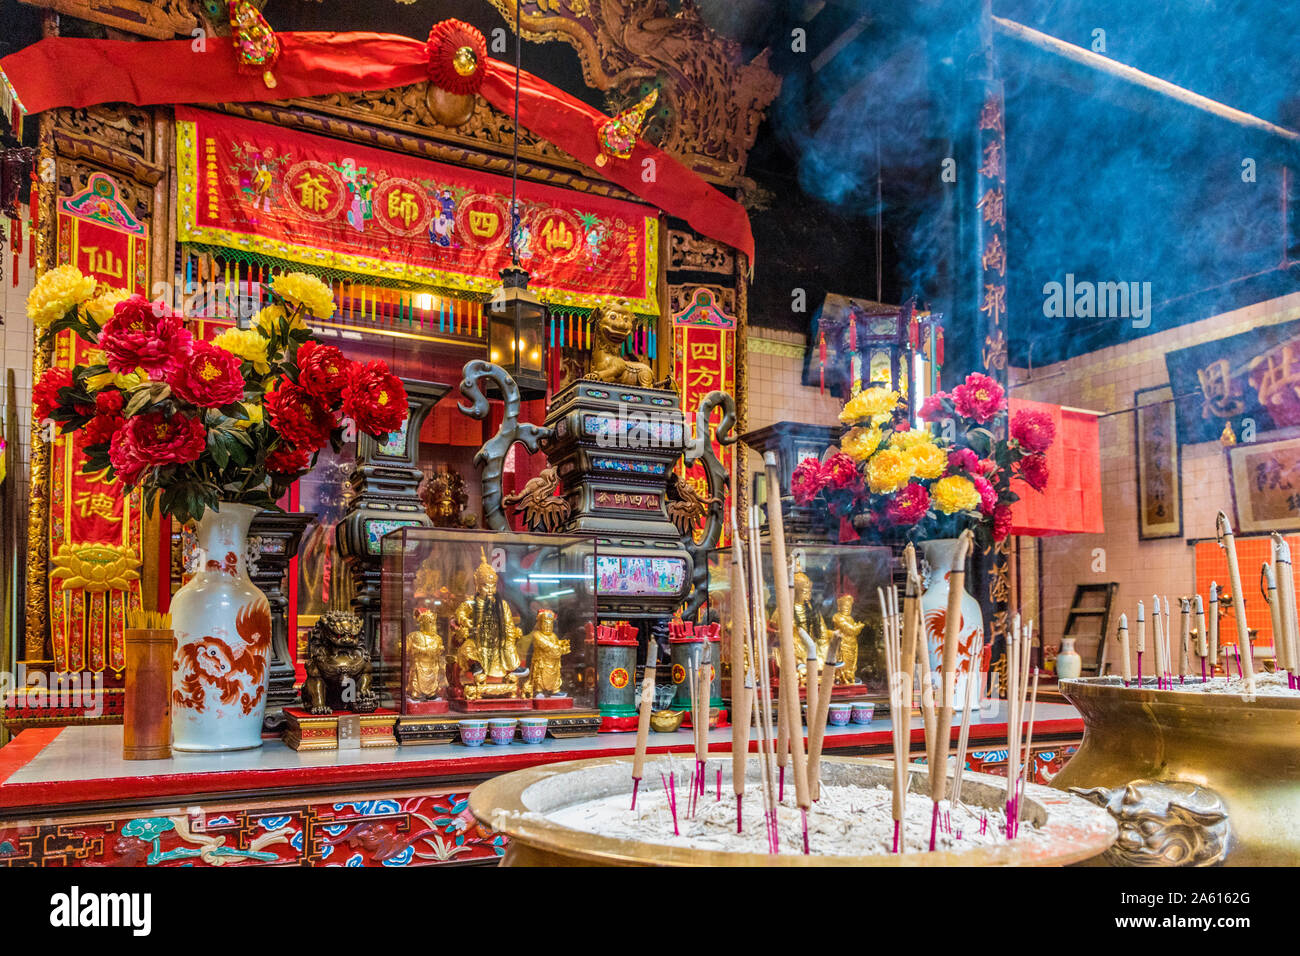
(1202,639)
(758,617)
(1123,648)
(952,631)
(971,678)
(1284,572)
(785,610)
(742,663)
(817,719)
(1029,753)
(1228,542)
(900,705)
(643,717)
(1141,638)
(1214,626)
(1185,650)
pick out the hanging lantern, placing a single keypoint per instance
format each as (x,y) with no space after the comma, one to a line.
(517,321)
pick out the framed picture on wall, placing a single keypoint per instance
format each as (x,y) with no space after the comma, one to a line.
(1159,478)
(1265,477)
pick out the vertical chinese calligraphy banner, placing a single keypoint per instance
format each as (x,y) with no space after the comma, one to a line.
(94,529)
(704,345)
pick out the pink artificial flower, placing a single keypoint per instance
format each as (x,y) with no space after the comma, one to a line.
(1034,430)
(807,481)
(988,495)
(964,460)
(979,397)
(908,505)
(932,407)
(143,334)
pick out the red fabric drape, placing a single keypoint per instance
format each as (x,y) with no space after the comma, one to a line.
(74,72)
(1071,502)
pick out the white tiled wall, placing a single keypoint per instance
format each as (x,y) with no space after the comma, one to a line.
(775,392)
(1105,381)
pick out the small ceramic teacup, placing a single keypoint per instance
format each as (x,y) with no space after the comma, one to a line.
(473,732)
(864,711)
(532,730)
(502,729)
(839,714)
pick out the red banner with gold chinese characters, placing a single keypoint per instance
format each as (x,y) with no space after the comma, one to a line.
(704,346)
(94,529)
(308,199)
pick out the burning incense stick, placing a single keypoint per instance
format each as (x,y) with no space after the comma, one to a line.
(1284,572)
(1202,639)
(643,717)
(742,663)
(1214,626)
(1228,542)
(952,632)
(900,705)
(1123,648)
(785,609)
(1012,687)
(1029,755)
(972,675)
(1141,638)
(1185,650)
(817,719)
(763,683)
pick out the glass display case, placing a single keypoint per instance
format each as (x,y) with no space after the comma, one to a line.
(834,593)
(487,624)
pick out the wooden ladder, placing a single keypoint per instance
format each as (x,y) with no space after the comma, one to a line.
(1085,607)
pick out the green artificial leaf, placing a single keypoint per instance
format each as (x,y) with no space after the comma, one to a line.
(235,410)
(140,398)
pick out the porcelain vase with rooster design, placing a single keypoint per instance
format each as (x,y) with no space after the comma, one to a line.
(934,606)
(221,624)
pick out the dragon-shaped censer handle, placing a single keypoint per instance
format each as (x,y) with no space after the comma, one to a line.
(700,449)
(490,459)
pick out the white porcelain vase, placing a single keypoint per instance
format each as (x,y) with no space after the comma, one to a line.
(1069,664)
(934,608)
(222,641)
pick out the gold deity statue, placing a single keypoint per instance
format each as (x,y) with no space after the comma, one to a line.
(809,623)
(548,648)
(848,630)
(487,640)
(426,674)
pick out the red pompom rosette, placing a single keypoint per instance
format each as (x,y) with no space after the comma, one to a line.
(457,55)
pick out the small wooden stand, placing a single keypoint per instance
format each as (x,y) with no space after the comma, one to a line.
(146,705)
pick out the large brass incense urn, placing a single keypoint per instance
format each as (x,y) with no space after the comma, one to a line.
(1192,779)
(518,804)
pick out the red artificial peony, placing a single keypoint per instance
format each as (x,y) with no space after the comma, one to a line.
(1001,522)
(288,460)
(1033,429)
(108,418)
(979,397)
(963,460)
(908,505)
(932,407)
(988,495)
(125,457)
(841,472)
(374,398)
(45,396)
(299,417)
(208,377)
(323,371)
(154,439)
(142,334)
(1033,468)
(807,481)
(988,468)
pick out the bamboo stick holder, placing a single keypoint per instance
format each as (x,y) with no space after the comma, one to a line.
(146,703)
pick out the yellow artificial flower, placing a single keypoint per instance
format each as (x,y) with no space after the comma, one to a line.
(874,404)
(269,317)
(861,443)
(910,439)
(953,494)
(307,291)
(254,412)
(926,460)
(248,344)
(887,471)
(57,291)
(100,308)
